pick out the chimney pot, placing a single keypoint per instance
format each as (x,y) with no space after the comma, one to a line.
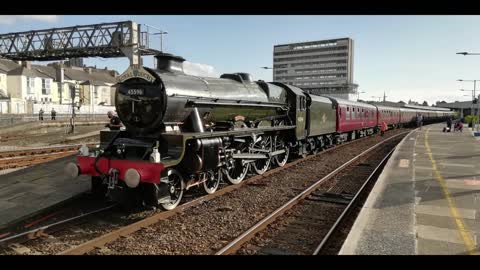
(27,64)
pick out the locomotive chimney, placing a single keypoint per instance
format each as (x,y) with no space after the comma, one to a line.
(169,62)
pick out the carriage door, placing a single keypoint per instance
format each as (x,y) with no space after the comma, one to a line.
(301,117)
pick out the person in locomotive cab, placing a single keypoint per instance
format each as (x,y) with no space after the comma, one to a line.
(115,123)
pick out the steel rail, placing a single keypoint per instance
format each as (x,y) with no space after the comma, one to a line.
(259,226)
(38,231)
(129,229)
(350,205)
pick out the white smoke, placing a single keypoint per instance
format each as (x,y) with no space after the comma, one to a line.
(10,19)
(200,70)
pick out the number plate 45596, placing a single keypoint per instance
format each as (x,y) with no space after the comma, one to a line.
(135,92)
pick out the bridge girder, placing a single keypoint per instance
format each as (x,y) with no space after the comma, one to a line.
(116,39)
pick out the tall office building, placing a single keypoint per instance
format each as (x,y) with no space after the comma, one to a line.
(320,67)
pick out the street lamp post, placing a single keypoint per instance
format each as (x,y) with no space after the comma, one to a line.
(269,68)
(379,98)
(478,111)
(473,99)
(478,106)
(161,33)
(467,53)
(358,94)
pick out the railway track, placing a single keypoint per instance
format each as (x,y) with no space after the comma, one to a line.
(44,230)
(17,137)
(24,158)
(330,244)
(110,237)
(111,232)
(311,221)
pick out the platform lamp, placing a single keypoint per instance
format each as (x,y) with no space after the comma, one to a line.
(379,98)
(474,96)
(268,68)
(358,94)
(159,32)
(474,100)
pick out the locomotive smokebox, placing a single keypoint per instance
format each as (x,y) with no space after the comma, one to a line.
(169,62)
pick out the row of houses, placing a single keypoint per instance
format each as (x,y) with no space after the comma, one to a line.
(23,84)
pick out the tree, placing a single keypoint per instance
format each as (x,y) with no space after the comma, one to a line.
(425,103)
(401,102)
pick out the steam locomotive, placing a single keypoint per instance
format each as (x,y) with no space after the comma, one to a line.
(183,131)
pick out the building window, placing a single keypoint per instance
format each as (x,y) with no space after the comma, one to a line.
(30,85)
(46,86)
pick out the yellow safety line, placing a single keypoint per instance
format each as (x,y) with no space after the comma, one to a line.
(464,233)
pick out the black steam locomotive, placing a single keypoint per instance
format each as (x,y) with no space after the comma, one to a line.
(184,131)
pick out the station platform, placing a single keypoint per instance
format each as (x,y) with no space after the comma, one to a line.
(426,201)
(25,192)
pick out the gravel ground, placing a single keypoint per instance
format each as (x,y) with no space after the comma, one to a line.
(55,135)
(302,228)
(77,232)
(206,228)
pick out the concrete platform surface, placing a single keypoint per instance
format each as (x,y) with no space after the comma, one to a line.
(25,192)
(427,199)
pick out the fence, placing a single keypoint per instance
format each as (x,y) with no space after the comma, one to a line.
(67,109)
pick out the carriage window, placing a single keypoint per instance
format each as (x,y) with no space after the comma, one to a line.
(347,115)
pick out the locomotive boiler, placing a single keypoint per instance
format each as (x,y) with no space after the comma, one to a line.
(183,131)
(192,103)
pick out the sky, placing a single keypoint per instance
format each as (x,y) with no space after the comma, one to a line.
(407,57)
